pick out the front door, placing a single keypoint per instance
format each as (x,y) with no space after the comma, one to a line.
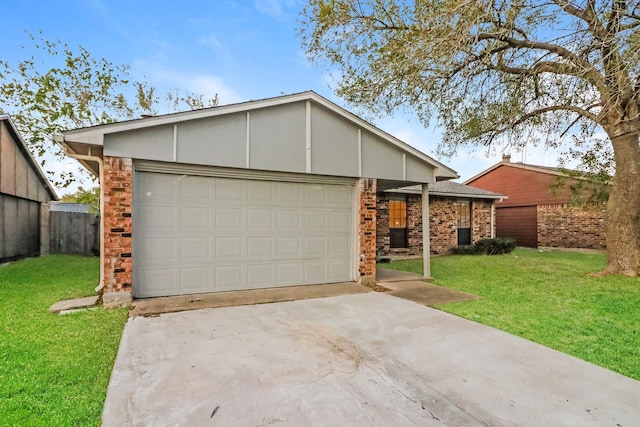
(463,214)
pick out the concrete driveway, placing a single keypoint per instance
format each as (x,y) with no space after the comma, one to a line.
(357,360)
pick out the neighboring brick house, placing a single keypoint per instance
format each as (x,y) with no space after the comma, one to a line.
(458,215)
(243,196)
(538,213)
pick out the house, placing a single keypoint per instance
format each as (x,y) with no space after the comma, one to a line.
(24,192)
(458,215)
(268,193)
(539,213)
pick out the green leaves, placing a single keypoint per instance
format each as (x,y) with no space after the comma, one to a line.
(67,88)
(516,68)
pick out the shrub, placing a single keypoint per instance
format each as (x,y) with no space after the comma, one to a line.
(464,250)
(496,246)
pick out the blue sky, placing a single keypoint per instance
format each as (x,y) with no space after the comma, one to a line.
(241,49)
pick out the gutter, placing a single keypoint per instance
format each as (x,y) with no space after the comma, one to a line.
(67,151)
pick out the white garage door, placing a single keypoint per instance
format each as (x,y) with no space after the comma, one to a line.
(195,234)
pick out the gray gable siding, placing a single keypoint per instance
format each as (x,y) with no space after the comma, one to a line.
(334,144)
(154,143)
(273,138)
(20,175)
(277,138)
(214,140)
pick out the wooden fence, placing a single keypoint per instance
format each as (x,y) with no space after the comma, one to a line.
(74,233)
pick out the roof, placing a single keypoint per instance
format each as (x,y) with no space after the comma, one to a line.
(22,145)
(95,135)
(452,189)
(70,207)
(550,170)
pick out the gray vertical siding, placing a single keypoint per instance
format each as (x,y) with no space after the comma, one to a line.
(297,137)
(19,228)
(22,191)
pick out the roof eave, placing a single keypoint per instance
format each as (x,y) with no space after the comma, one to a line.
(30,158)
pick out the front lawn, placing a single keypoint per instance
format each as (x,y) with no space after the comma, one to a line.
(548,298)
(54,370)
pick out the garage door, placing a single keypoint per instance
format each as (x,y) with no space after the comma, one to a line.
(519,223)
(195,234)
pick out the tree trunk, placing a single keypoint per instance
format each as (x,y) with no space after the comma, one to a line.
(623,207)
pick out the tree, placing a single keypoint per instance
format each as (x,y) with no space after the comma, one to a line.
(89,197)
(526,71)
(78,91)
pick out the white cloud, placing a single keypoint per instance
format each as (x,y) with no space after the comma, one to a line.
(211,41)
(208,85)
(277,9)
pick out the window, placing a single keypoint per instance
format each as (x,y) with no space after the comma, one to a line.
(397,214)
(463,212)
(398,223)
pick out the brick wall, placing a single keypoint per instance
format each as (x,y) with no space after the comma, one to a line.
(414,224)
(480,219)
(563,226)
(443,225)
(117,193)
(383,240)
(367,230)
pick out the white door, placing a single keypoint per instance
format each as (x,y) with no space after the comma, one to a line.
(195,234)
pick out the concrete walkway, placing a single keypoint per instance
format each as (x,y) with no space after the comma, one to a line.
(358,360)
(414,287)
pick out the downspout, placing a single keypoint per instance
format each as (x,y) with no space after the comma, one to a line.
(60,139)
(493,217)
(493,220)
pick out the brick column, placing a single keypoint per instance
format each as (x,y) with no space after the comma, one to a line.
(367,231)
(118,201)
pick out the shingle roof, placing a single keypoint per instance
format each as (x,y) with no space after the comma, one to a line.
(453,189)
(563,172)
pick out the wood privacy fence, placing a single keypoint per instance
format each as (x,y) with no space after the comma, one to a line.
(74,233)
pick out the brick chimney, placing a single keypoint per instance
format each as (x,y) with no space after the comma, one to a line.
(506,158)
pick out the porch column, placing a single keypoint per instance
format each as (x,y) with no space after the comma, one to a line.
(426,247)
(117,192)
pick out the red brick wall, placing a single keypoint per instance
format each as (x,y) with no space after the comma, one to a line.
(383,240)
(414,223)
(480,219)
(563,226)
(414,226)
(442,224)
(524,187)
(117,192)
(367,230)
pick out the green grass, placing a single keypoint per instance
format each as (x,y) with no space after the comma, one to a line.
(548,298)
(54,370)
